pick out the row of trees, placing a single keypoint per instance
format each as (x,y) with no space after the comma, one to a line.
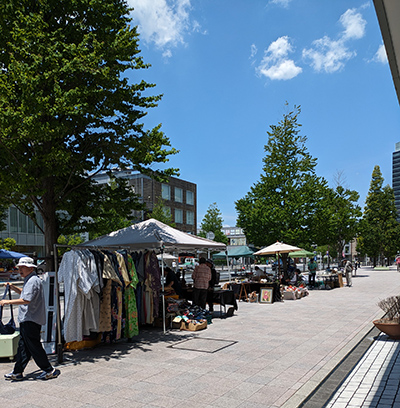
(290,203)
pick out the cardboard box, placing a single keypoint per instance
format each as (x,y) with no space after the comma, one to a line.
(289,295)
(193,327)
(9,344)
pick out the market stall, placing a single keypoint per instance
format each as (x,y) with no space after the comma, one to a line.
(135,246)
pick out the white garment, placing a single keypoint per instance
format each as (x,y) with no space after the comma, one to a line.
(78,272)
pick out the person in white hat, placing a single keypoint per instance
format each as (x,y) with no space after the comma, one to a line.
(31,316)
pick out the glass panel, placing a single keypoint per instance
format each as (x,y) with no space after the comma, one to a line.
(189,197)
(31,226)
(178,195)
(167,211)
(190,217)
(165,192)
(178,216)
(13,219)
(22,227)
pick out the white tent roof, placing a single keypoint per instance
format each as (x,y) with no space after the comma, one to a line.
(143,236)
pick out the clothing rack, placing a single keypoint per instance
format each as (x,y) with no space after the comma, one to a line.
(59,346)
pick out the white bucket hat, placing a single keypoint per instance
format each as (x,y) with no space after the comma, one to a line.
(26,261)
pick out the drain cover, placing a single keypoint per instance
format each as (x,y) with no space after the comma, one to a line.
(203,345)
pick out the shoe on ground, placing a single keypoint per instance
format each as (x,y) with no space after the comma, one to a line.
(47,376)
(13,377)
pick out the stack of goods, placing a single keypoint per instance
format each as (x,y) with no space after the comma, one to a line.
(293,292)
(186,316)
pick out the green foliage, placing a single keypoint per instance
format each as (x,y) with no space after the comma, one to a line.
(7,243)
(68,240)
(162,214)
(344,215)
(380,232)
(212,222)
(68,111)
(287,204)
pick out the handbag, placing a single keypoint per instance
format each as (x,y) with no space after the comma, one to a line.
(8,328)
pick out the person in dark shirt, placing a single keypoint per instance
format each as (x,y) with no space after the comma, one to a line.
(172,281)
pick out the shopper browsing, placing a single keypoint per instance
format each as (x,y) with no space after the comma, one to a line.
(201,277)
(31,316)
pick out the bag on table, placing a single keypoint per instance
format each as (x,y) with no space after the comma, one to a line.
(8,328)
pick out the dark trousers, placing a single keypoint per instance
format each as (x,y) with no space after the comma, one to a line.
(200,297)
(30,346)
(311,279)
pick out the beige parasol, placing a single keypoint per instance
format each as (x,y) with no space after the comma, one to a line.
(277,248)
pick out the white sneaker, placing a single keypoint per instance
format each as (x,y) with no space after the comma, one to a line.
(47,376)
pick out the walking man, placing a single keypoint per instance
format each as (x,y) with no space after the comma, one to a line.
(31,316)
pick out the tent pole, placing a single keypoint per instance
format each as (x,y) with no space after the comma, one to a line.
(162,283)
(227,264)
(59,347)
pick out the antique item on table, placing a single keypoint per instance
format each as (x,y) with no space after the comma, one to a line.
(266,295)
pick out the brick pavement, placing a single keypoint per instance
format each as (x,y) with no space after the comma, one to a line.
(266,355)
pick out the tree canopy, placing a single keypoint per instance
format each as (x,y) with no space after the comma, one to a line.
(288,203)
(68,110)
(344,216)
(212,222)
(380,231)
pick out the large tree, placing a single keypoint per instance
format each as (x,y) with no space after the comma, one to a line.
(212,222)
(288,203)
(68,110)
(380,231)
(344,216)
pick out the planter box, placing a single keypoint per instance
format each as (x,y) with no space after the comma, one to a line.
(9,344)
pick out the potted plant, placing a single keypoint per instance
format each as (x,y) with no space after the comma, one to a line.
(390,323)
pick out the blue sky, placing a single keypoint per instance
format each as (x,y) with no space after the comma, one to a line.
(227,68)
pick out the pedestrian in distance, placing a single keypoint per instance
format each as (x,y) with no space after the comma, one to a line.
(312,269)
(348,270)
(31,316)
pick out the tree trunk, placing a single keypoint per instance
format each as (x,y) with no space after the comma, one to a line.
(50,223)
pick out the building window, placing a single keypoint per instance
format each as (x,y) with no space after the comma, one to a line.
(165,191)
(178,195)
(190,217)
(189,197)
(167,211)
(178,216)
(31,226)
(13,219)
(22,226)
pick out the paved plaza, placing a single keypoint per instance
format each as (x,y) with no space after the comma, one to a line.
(266,355)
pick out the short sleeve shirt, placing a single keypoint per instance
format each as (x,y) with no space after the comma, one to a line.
(35,310)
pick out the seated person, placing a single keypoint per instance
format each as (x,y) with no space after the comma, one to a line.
(297,278)
(258,274)
(172,282)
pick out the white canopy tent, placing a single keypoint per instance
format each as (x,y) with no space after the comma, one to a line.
(153,234)
(150,234)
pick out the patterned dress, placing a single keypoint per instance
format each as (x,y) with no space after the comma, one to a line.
(132,323)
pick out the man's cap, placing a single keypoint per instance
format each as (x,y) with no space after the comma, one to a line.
(26,261)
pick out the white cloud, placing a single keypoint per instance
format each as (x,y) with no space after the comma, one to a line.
(331,55)
(163,22)
(283,3)
(354,25)
(275,65)
(380,55)
(254,51)
(328,55)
